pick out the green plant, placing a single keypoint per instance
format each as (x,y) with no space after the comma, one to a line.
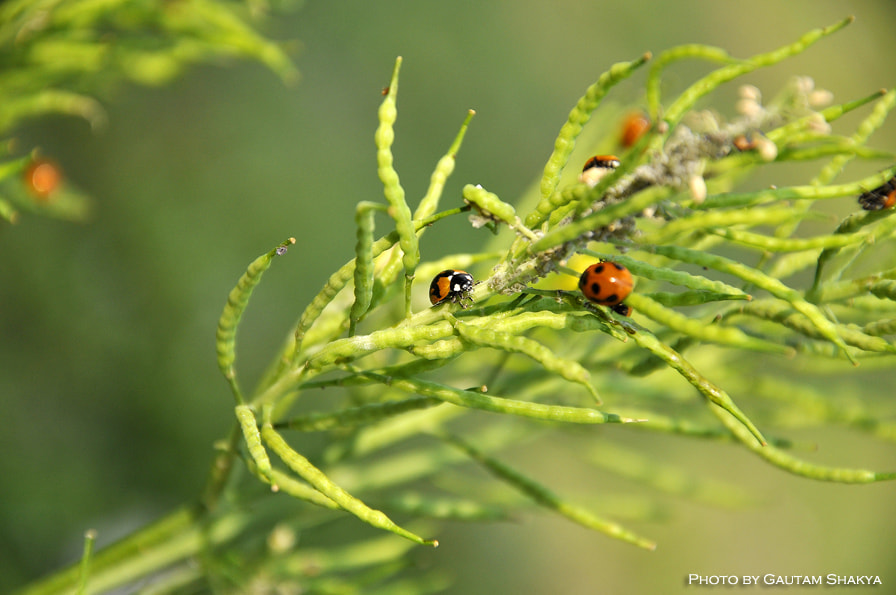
(59,56)
(411,388)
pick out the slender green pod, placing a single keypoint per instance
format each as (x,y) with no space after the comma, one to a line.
(692,298)
(787,265)
(478,400)
(444,349)
(363,273)
(681,52)
(713,333)
(783,314)
(452,509)
(86,558)
(796,193)
(831,113)
(885,288)
(237,301)
(568,369)
(444,168)
(345,350)
(570,131)
(885,225)
(289,485)
(880,327)
(789,463)
(842,152)
(53,101)
(827,328)
(219,25)
(713,394)
(649,363)
(398,206)
(319,480)
(491,207)
(252,436)
(710,220)
(545,497)
(662,273)
(702,87)
(355,416)
(684,426)
(660,475)
(8,212)
(772,244)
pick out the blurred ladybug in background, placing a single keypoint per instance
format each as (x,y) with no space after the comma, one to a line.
(882,197)
(42,177)
(607,283)
(451,285)
(634,126)
(597,167)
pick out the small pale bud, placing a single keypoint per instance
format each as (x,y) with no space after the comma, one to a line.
(697,186)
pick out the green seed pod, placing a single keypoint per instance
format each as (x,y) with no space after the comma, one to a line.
(772,244)
(570,131)
(698,329)
(682,52)
(444,168)
(663,273)
(237,301)
(489,204)
(297,489)
(785,315)
(253,440)
(328,488)
(713,394)
(355,416)
(762,281)
(685,102)
(477,400)
(399,209)
(545,497)
(568,369)
(363,261)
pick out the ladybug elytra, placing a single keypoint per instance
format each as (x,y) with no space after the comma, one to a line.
(451,285)
(606,283)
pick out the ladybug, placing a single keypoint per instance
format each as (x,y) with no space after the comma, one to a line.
(42,178)
(743,142)
(597,167)
(756,141)
(451,285)
(634,126)
(882,197)
(622,309)
(606,283)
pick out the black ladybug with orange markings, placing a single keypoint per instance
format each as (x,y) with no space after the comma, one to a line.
(451,285)
(882,197)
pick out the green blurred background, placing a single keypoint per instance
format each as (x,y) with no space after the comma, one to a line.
(108,384)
